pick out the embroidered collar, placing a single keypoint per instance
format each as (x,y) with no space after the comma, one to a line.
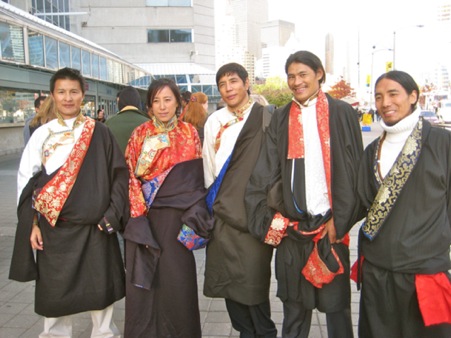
(240,111)
(393,183)
(165,126)
(78,120)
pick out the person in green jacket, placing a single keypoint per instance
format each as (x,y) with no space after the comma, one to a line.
(129,116)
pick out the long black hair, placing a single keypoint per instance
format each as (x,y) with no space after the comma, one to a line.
(405,80)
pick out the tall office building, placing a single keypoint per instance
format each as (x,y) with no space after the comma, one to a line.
(238,38)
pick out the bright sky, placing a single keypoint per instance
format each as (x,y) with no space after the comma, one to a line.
(371,23)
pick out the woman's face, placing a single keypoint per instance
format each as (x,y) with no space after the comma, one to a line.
(164,105)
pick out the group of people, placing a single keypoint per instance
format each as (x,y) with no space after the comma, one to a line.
(294,181)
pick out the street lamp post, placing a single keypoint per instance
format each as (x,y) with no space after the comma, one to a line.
(372,70)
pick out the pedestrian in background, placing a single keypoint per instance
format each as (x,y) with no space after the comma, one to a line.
(72,199)
(301,198)
(100,115)
(196,112)
(46,113)
(27,130)
(404,184)
(186,96)
(129,117)
(237,266)
(167,204)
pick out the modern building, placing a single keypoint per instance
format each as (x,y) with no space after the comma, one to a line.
(164,36)
(238,38)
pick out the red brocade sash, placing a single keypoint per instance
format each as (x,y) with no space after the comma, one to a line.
(51,198)
(296,135)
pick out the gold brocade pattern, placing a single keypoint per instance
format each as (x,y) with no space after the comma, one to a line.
(391,186)
(150,152)
(56,139)
(51,198)
(239,116)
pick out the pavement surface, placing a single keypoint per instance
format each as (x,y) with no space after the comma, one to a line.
(17,317)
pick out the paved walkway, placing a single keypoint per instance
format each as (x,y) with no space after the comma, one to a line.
(17,317)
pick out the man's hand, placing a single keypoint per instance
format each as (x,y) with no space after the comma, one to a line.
(329,229)
(36,238)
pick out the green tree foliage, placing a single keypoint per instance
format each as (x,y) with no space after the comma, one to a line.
(341,89)
(275,90)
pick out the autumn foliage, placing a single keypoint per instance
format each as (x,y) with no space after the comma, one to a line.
(341,89)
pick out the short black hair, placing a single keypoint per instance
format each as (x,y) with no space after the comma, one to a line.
(38,101)
(232,68)
(68,73)
(186,96)
(129,96)
(309,59)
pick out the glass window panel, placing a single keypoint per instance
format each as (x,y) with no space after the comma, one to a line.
(208,90)
(180,3)
(181,35)
(196,88)
(51,53)
(103,68)
(11,43)
(76,58)
(183,88)
(95,65)
(157,35)
(180,78)
(110,70)
(36,48)
(64,50)
(86,62)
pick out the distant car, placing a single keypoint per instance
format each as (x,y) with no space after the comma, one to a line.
(444,111)
(430,116)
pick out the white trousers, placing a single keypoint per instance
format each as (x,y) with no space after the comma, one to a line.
(102,325)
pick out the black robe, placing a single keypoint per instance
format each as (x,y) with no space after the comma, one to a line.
(414,239)
(273,172)
(166,303)
(238,266)
(80,268)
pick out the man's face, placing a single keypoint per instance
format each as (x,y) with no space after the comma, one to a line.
(233,90)
(392,101)
(303,81)
(68,97)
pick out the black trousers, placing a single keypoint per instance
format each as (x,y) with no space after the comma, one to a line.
(252,321)
(297,321)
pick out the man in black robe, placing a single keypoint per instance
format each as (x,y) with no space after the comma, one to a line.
(301,197)
(73,189)
(238,266)
(405,184)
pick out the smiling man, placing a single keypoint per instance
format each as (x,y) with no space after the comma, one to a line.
(301,199)
(237,265)
(72,199)
(404,183)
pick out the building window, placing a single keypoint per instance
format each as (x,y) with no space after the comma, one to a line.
(51,53)
(36,48)
(11,43)
(64,55)
(168,3)
(169,35)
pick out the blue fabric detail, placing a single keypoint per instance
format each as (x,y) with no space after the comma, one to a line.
(190,239)
(214,188)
